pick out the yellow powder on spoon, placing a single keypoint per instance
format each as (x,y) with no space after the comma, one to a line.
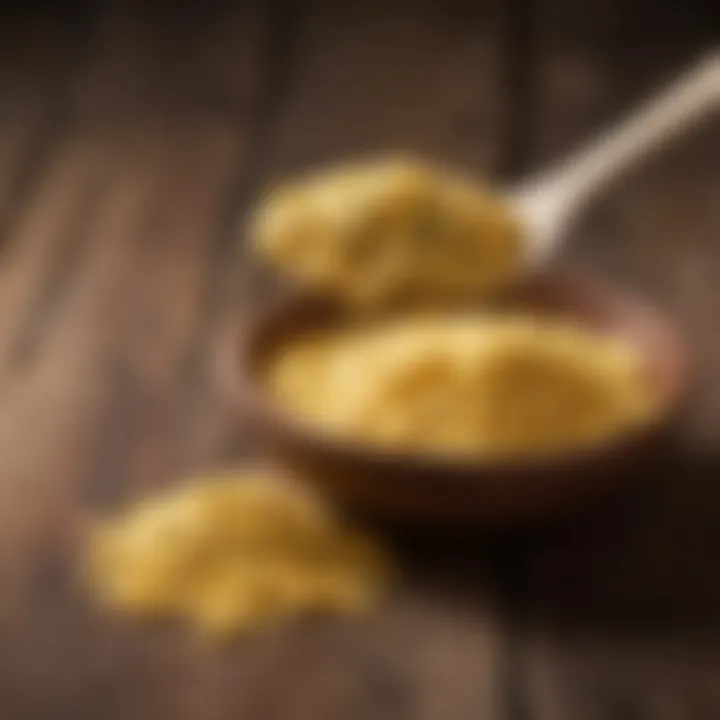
(391,228)
(232,553)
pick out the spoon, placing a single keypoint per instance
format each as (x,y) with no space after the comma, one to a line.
(544,205)
(550,202)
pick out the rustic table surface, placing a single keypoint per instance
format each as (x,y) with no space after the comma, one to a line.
(132,138)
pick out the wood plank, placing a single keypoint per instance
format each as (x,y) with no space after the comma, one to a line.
(107,367)
(154,63)
(394,76)
(619,612)
(93,386)
(44,232)
(39,56)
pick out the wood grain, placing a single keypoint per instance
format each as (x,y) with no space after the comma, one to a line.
(402,75)
(110,260)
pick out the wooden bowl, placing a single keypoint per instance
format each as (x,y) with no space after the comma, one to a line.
(400,486)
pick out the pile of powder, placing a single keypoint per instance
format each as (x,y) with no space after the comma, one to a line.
(233,553)
(396,227)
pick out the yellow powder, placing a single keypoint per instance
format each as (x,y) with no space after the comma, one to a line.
(232,553)
(463,383)
(398,227)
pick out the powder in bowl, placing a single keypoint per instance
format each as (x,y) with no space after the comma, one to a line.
(463,383)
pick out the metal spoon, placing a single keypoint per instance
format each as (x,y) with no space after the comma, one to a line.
(550,202)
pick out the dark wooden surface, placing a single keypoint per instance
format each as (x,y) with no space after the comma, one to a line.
(132,139)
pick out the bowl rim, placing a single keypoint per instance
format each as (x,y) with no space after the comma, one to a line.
(245,342)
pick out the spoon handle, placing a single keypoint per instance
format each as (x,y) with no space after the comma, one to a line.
(551,201)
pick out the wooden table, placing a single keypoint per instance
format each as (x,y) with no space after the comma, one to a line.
(132,138)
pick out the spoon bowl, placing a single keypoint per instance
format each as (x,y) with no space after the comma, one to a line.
(409,487)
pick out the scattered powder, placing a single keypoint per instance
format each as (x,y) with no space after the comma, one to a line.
(232,553)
